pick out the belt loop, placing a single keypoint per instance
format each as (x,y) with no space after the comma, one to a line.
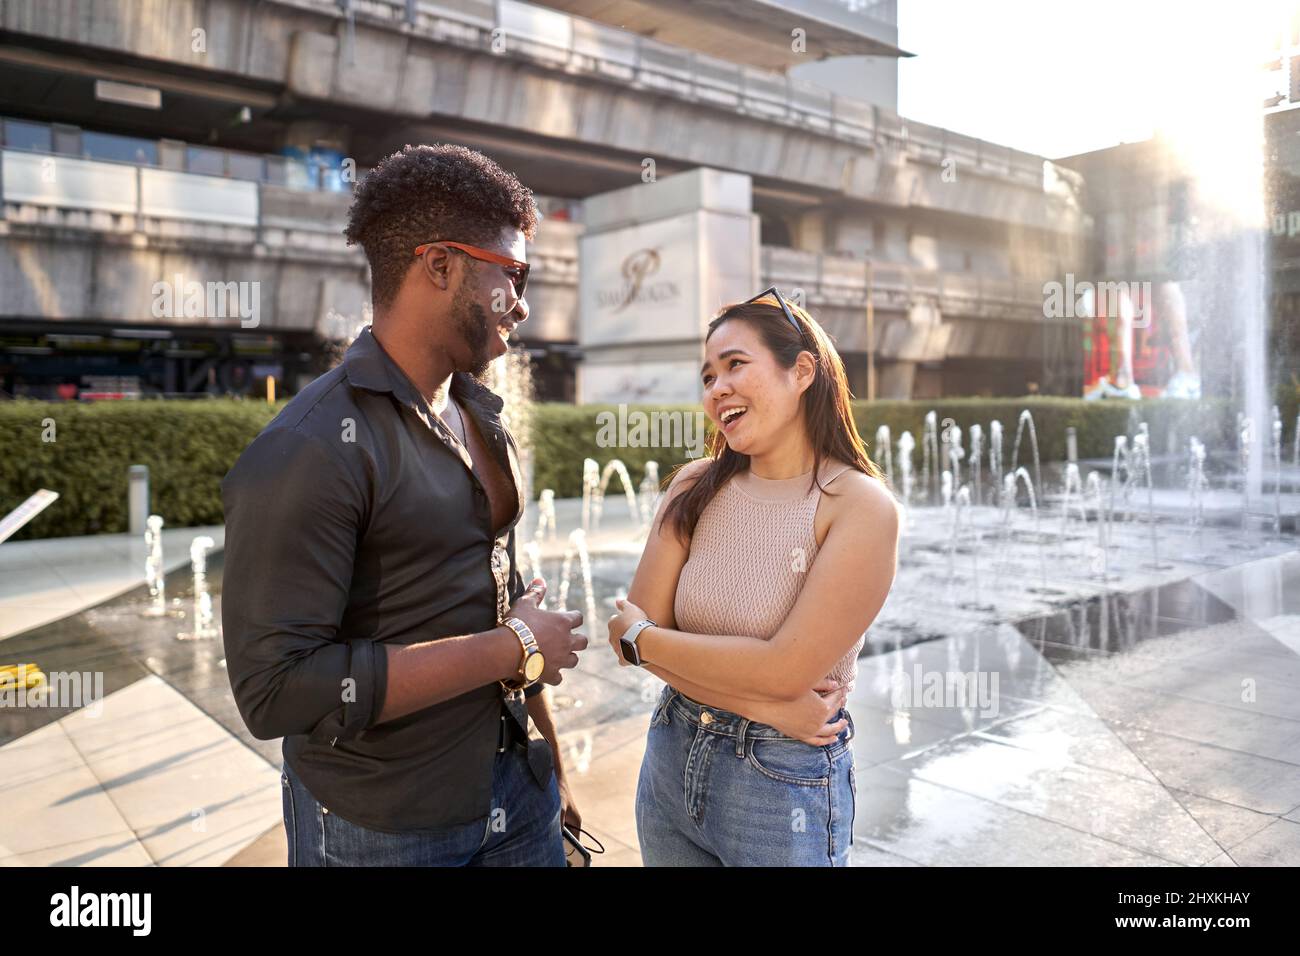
(740,737)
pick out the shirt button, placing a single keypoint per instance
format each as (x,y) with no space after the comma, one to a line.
(706,718)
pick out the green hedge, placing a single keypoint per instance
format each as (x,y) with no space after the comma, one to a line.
(563,435)
(189,446)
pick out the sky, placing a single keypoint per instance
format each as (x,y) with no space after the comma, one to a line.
(1059,77)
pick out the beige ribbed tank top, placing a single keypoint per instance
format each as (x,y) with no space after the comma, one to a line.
(749,557)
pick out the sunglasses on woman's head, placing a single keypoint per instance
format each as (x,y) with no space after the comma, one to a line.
(785,310)
(518,271)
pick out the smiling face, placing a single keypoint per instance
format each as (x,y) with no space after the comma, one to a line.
(748,395)
(485,309)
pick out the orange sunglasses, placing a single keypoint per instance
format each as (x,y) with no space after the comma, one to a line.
(518,271)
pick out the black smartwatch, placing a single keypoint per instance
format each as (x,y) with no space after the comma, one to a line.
(628,641)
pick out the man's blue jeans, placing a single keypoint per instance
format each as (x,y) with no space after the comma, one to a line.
(523,828)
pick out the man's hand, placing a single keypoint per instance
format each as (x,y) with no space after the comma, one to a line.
(569,814)
(553,629)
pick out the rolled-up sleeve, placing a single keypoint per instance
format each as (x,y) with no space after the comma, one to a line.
(293,512)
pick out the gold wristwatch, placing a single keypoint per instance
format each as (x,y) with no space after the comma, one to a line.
(532,664)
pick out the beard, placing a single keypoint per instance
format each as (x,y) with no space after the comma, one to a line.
(471,322)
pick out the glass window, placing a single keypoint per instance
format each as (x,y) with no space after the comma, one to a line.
(276,170)
(244,166)
(121,149)
(33,136)
(207,162)
(302,175)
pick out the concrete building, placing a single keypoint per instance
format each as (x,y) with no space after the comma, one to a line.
(152,148)
(1143,200)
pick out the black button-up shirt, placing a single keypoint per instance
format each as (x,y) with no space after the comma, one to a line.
(355,520)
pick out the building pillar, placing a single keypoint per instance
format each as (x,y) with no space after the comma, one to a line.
(895,379)
(656,262)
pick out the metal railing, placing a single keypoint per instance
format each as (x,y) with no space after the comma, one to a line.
(114,190)
(67,183)
(72,142)
(556,40)
(844,281)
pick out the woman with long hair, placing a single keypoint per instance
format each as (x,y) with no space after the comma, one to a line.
(767,562)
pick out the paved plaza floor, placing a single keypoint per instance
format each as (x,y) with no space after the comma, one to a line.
(45,580)
(1159,727)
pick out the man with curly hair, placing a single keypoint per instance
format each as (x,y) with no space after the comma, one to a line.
(373,614)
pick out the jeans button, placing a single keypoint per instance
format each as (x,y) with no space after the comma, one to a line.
(706,718)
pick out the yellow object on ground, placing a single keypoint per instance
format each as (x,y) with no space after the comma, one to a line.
(26,675)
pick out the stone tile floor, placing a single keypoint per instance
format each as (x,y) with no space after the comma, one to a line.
(1156,728)
(46,580)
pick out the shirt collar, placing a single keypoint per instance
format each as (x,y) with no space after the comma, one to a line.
(368,366)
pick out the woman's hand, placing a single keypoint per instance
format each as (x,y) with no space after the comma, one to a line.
(807,718)
(628,615)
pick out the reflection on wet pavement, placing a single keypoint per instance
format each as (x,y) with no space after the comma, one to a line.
(1155,728)
(1159,728)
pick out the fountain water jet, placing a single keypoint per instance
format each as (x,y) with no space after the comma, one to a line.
(1099,567)
(930,454)
(1009,503)
(546,528)
(995,457)
(956,453)
(1296,454)
(590,488)
(648,493)
(976,451)
(1073,491)
(1142,450)
(1027,418)
(154,574)
(1277,471)
(205,627)
(1245,448)
(962,508)
(578,548)
(615,467)
(906,444)
(885,443)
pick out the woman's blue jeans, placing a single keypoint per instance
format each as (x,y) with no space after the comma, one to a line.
(717,789)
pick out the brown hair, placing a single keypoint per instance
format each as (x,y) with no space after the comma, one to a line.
(827,415)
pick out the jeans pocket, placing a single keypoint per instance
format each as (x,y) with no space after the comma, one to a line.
(660,713)
(792,761)
(290,820)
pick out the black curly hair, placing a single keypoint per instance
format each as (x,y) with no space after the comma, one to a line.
(425,193)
